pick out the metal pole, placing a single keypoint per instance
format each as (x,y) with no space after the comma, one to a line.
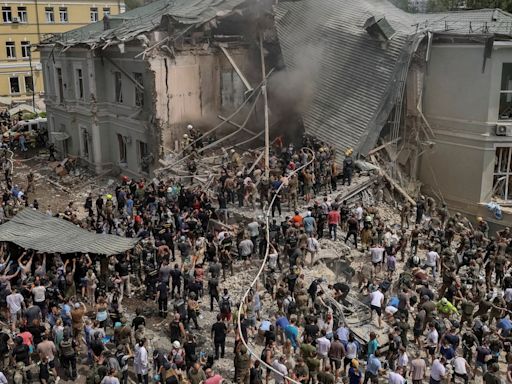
(32,77)
(265,101)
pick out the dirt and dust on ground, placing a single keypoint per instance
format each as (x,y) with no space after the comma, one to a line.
(54,187)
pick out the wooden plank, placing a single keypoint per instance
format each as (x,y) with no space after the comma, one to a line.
(394,184)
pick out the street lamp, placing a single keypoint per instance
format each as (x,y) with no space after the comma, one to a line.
(32,77)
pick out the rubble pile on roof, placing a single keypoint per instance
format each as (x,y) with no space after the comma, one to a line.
(357,77)
(127,26)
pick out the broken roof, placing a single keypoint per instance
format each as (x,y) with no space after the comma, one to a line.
(127,26)
(31,229)
(358,78)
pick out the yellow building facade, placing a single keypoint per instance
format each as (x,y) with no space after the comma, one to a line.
(23,24)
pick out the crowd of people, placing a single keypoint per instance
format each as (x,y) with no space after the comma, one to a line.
(436,284)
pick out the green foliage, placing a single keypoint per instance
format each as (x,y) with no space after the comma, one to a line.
(42,114)
(451,5)
(131,4)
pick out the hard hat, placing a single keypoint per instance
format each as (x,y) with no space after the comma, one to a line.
(185,136)
(176,344)
(109,196)
(479,219)
(232,151)
(189,126)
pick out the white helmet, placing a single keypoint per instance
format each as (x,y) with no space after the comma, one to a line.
(185,136)
(189,126)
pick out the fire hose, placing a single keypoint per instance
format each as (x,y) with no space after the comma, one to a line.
(262,267)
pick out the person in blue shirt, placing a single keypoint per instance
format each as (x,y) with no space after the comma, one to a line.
(505,325)
(355,376)
(372,369)
(292,333)
(373,344)
(281,323)
(309,224)
(447,350)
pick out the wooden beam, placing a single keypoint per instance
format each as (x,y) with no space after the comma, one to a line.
(235,67)
(394,184)
(377,149)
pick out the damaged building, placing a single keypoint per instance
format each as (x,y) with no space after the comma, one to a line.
(429,95)
(121,92)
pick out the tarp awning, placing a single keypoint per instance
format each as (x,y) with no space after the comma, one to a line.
(31,229)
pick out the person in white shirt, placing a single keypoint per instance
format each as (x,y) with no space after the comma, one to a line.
(432,261)
(437,371)
(313,248)
(140,362)
(279,366)
(322,348)
(377,254)
(376,304)
(432,340)
(403,360)
(396,377)
(461,368)
(15,303)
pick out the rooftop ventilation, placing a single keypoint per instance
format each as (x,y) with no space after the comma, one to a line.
(379,29)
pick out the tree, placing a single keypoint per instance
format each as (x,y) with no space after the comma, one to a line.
(131,4)
(443,5)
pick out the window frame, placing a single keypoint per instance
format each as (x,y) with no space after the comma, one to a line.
(27,91)
(502,152)
(122,149)
(10,50)
(25,48)
(22,14)
(79,79)
(59,78)
(139,93)
(108,11)
(49,11)
(63,11)
(118,87)
(7,11)
(94,11)
(10,85)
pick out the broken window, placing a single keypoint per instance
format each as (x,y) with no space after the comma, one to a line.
(79,84)
(85,143)
(60,85)
(121,142)
(232,89)
(502,182)
(144,160)
(505,112)
(29,84)
(14,83)
(118,87)
(139,93)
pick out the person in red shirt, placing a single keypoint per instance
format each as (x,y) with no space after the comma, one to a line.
(333,219)
(297,219)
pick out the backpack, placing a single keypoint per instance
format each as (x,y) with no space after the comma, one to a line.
(292,307)
(225,306)
(120,359)
(66,348)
